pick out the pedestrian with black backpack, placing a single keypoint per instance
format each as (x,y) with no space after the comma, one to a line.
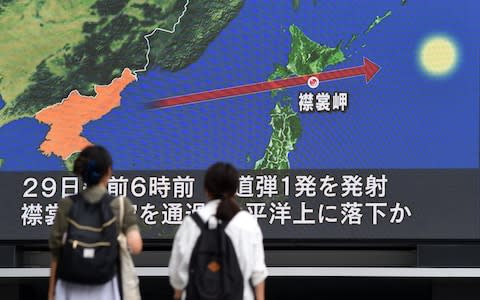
(218,251)
(84,238)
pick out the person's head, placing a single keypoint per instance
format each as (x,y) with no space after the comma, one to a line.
(93,165)
(221,182)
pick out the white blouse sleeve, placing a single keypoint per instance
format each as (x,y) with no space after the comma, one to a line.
(259,272)
(183,244)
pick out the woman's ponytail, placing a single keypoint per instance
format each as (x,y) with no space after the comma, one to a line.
(92,164)
(227,209)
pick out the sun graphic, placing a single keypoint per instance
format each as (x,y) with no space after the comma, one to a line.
(438,55)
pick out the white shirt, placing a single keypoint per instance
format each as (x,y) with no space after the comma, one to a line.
(247,240)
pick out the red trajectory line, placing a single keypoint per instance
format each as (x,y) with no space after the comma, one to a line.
(368,69)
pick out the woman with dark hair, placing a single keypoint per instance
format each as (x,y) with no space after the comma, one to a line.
(84,255)
(220,183)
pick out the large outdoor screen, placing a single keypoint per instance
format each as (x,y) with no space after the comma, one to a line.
(348,119)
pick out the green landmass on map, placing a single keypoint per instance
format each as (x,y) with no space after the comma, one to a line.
(1,162)
(305,57)
(70,161)
(296,3)
(286,129)
(202,23)
(377,21)
(56,46)
(352,39)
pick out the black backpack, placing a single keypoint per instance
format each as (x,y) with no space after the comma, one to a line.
(214,270)
(90,251)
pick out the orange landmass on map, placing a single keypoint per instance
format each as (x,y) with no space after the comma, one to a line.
(66,119)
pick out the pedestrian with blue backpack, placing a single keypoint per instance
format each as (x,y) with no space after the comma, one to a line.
(93,236)
(218,251)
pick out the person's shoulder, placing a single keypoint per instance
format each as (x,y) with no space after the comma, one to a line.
(64,206)
(115,201)
(245,215)
(188,230)
(65,202)
(187,223)
(188,219)
(244,221)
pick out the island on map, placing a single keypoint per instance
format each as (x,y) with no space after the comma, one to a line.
(377,21)
(296,3)
(305,57)
(286,130)
(352,39)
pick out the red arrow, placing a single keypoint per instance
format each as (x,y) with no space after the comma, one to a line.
(369,69)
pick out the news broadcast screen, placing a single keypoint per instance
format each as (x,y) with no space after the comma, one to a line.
(348,119)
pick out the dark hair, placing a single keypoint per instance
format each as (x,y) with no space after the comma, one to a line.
(221,182)
(92,164)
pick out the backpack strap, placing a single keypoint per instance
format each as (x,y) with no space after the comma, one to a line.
(198,220)
(76,197)
(223,224)
(107,198)
(121,213)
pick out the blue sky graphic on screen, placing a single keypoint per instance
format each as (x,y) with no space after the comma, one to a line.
(95,83)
